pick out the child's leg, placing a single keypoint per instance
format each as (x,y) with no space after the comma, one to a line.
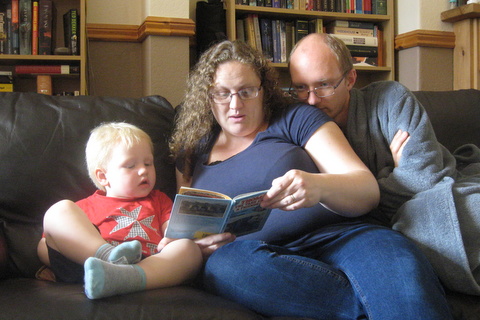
(69,231)
(178,262)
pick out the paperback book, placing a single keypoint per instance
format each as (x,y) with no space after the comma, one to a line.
(197,213)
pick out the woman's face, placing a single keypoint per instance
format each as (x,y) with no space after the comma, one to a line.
(238,117)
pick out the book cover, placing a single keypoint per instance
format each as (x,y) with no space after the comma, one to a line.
(25,26)
(46,27)
(71,31)
(283,41)
(357,40)
(197,213)
(250,31)
(240,29)
(276,41)
(47,69)
(380,6)
(34,27)
(6,81)
(258,35)
(359,6)
(15,28)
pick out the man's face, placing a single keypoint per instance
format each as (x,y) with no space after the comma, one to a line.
(316,67)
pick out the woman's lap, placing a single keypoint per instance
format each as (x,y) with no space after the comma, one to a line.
(357,270)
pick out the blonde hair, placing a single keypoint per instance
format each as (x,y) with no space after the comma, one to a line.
(196,122)
(102,141)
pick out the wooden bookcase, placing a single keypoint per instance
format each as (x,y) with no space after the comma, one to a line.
(61,83)
(365,74)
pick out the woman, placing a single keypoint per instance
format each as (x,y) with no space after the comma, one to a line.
(315,257)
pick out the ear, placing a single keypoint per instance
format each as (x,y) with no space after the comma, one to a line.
(101,177)
(351,78)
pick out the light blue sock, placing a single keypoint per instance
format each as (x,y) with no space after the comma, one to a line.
(125,253)
(104,279)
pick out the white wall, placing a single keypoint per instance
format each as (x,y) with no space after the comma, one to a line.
(421,14)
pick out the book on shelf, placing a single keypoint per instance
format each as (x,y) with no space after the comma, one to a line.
(3,28)
(44,84)
(15,28)
(379,6)
(6,81)
(197,213)
(46,27)
(301,29)
(240,30)
(363,51)
(351,24)
(266,37)
(351,31)
(357,40)
(258,35)
(25,26)
(47,69)
(315,26)
(365,61)
(250,37)
(35,27)
(71,28)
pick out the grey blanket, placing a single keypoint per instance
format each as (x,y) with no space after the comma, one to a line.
(427,197)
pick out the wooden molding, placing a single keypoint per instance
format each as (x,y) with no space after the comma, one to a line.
(468,11)
(152,26)
(425,38)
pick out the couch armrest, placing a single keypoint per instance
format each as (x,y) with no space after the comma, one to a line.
(3,254)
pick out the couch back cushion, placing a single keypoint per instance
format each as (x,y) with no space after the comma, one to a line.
(455,115)
(42,158)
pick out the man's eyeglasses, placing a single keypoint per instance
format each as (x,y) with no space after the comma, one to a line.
(226,96)
(302,92)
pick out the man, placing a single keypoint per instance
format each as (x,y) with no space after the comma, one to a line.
(422,194)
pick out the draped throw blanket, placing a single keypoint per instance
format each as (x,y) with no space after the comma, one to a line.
(433,196)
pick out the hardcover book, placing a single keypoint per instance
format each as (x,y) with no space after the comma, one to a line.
(46,69)
(71,24)
(46,27)
(25,26)
(15,27)
(197,213)
(34,27)
(357,40)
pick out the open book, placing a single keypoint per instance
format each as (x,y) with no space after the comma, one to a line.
(197,213)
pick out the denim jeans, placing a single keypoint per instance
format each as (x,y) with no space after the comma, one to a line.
(361,272)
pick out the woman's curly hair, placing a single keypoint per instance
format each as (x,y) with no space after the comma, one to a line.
(195,120)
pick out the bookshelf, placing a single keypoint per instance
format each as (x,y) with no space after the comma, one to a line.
(61,82)
(366,74)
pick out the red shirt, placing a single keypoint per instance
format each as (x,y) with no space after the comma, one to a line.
(121,220)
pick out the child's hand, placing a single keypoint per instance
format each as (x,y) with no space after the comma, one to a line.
(163,243)
(211,243)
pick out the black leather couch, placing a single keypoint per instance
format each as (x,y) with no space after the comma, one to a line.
(42,142)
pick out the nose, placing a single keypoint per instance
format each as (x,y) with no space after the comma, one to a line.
(142,170)
(235,102)
(312,98)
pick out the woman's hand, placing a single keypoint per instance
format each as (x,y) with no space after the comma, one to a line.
(211,243)
(398,143)
(295,189)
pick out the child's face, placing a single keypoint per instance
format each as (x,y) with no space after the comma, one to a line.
(130,172)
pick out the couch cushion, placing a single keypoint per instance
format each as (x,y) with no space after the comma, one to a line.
(455,115)
(42,142)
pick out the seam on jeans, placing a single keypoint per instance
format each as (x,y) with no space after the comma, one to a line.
(327,271)
(361,295)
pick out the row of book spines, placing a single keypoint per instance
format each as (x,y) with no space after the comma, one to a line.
(30,28)
(275,38)
(345,6)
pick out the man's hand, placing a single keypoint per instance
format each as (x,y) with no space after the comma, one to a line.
(398,143)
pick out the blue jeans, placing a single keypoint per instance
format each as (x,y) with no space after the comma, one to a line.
(360,272)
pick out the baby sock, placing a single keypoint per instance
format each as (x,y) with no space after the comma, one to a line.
(104,279)
(125,253)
